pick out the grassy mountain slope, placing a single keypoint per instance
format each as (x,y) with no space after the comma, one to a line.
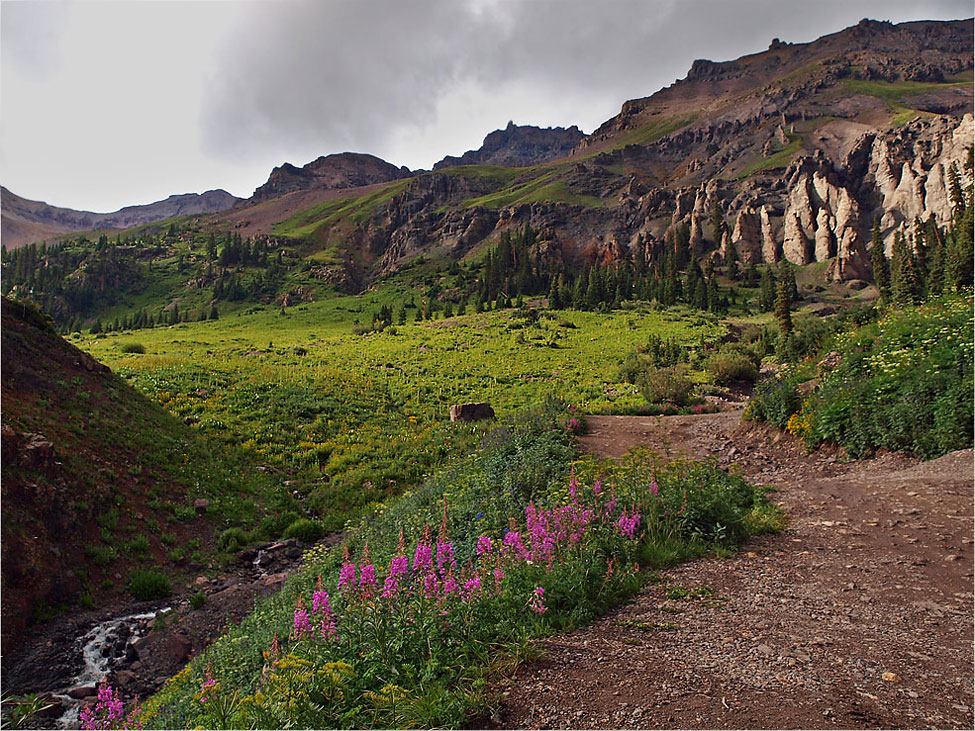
(97,480)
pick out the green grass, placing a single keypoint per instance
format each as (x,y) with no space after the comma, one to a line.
(414,663)
(652,132)
(893,91)
(361,418)
(779,159)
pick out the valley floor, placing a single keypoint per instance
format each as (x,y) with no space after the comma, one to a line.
(858,615)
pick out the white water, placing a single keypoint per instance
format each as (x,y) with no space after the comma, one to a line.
(96,664)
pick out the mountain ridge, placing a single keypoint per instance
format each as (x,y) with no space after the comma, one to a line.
(25,221)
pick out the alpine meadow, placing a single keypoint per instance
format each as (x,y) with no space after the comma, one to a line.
(666,425)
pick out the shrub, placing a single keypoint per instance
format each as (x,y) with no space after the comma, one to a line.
(774,402)
(233,539)
(665,385)
(730,367)
(198,600)
(148,584)
(133,348)
(101,555)
(307,531)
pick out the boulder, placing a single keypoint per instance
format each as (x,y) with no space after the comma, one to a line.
(83,691)
(201,505)
(179,648)
(471,412)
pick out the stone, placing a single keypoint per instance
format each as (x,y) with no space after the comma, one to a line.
(889,677)
(857,284)
(471,412)
(82,691)
(201,505)
(179,648)
(124,677)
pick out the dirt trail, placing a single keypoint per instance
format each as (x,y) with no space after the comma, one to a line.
(858,615)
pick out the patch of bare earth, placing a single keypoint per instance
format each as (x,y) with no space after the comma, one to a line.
(858,615)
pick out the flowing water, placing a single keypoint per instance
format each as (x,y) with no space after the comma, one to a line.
(104,647)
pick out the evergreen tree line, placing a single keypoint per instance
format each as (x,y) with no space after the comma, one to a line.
(671,274)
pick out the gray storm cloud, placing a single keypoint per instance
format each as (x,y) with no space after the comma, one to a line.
(329,76)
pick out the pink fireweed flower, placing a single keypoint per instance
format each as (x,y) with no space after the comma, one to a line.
(208,683)
(597,487)
(654,490)
(472,588)
(498,578)
(302,625)
(347,576)
(108,712)
(367,578)
(445,556)
(573,486)
(627,524)
(536,601)
(512,545)
(484,545)
(430,585)
(327,628)
(423,558)
(450,584)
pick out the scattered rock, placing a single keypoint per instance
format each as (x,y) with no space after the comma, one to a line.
(201,505)
(889,677)
(82,691)
(471,412)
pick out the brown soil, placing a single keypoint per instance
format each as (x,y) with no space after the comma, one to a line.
(858,615)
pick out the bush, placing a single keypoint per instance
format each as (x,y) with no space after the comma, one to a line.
(133,348)
(729,367)
(774,402)
(233,539)
(668,385)
(145,585)
(306,531)
(198,600)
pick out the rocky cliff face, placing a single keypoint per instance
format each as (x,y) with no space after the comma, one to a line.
(800,147)
(519,146)
(344,170)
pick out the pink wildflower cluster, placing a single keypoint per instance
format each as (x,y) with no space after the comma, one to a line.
(537,601)
(321,606)
(108,712)
(627,524)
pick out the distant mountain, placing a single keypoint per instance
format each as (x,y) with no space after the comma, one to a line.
(329,172)
(25,221)
(519,146)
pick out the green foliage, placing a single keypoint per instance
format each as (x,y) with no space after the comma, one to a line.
(902,383)
(418,663)
(133,348)
(665,385)
(233,539)
(730,367)
(307,531)
(774,402)
(148,584)
(198,600)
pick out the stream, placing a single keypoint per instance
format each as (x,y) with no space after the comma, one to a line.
(105,647)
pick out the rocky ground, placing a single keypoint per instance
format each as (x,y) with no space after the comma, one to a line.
(858,615)
(138,666)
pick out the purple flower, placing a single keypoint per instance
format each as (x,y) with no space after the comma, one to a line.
(367,577)
(654,490)
(423,558)
(302,625)
(484,545)
(597,487)
(472,588)
(536,601)
(445,556)
(347,576)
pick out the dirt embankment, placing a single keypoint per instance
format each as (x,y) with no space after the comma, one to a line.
(858,615)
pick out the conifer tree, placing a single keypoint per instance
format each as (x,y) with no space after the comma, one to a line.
(783,307)
(881,274)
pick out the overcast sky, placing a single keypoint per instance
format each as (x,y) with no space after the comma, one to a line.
(107,104)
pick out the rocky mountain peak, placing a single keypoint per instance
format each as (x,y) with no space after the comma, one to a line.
(519,146)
